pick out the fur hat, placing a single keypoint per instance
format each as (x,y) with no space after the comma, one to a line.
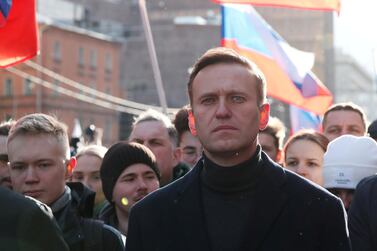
(348,160)
(120,156)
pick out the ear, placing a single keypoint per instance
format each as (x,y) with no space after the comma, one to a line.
(191,121)
(264,115)
(70,165)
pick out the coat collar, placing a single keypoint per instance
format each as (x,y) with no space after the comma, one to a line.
(270,199)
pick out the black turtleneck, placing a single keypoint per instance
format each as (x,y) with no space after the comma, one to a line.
(228,200)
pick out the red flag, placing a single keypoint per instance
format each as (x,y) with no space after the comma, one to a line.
(301,4)
(18,37)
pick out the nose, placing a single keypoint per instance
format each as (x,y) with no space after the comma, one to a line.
(222,110)
(31,175)
(302,170)
(141,184)
(86,182)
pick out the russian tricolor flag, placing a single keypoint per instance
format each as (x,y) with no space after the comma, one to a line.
(287,70)
(18,32)
(328,5)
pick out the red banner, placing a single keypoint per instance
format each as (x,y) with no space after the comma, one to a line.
(18,37)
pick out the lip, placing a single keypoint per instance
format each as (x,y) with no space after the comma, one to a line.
(33,193)
(139,197)
(224,128)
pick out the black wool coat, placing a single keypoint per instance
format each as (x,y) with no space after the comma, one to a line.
(362,216)
(292,214)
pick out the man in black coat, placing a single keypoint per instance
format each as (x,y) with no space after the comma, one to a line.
(362,215)
(27,225)
(235,198)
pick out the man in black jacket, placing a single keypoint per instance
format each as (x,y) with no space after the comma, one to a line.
(26,224)
(235,198)
(362,215)
(39,159)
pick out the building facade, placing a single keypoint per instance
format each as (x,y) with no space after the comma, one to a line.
(88,58)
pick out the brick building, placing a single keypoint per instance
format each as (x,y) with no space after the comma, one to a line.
(90,58)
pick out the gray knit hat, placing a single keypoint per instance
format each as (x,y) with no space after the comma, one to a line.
(120,156)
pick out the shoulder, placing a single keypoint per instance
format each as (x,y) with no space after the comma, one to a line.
(368,183)
(96,233)
(294,185)
(167,194)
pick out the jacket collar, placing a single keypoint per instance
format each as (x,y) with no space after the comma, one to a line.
(270,198)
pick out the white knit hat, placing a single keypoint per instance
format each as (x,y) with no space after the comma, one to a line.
(348,160)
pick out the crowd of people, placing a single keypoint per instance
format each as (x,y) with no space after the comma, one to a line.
(219,176)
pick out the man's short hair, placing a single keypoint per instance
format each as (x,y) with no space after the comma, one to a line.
(39,123)
(346,106)
(153,115)
(181,121)
(221,55)
(5,127)
(276,129)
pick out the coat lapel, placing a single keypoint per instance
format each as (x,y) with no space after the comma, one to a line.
(188,214)
(270,200)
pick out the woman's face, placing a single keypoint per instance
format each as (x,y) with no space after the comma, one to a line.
(87,171)
(305,158)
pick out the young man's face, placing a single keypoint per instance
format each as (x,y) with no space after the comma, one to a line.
(191,148)
(135,182)
(342,122)
(227,115)
(37,166)
(154,135)
(267,143)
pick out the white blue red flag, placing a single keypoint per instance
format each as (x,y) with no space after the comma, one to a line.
(287,70)
(328,5)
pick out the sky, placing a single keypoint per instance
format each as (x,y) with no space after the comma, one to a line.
(356,30)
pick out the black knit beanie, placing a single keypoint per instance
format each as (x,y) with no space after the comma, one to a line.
(120,156)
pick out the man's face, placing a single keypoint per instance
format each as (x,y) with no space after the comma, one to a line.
(268,146)
(87,171)
(227,116)
(134,183)
(4,169)
(338,123)
(191,148)
(154,135)
(37,166)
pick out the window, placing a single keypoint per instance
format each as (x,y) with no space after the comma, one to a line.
(57,53)
(28,87)
(81,56)
(93,58)
(8,87)
(108,62)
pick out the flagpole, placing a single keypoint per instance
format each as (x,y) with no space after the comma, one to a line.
(153,56)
